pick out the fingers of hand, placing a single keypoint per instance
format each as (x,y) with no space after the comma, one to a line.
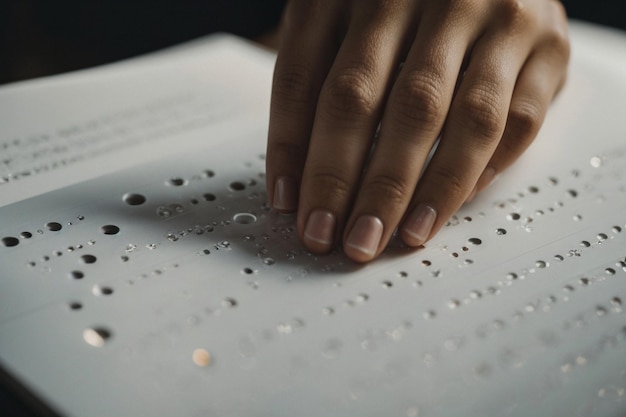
(303,61)
(540,79)
(348,110)
(474,127)
(414,115)
(336,80)
(535,88)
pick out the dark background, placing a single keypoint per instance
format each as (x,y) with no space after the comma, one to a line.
(41,37)
(604,12)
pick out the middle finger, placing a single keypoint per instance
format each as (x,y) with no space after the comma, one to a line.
(347,114)
(414,116)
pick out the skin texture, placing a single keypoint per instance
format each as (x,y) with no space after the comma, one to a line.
(477,75)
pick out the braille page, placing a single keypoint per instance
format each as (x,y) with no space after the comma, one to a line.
(157,281)
(66,129)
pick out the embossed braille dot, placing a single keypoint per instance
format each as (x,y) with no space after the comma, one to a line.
(513,216)
(102,290)
(88,259)
(54,226)
(176,182)
(244,218)
(110,229)
(10,241)
(133,199)
(97,336)
(77,275)
(237,186)
(75,306)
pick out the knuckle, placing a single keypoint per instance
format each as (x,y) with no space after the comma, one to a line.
(389,189)
(419,101)
(525,120)
(560,11)
(292,86)
(512,12)
(523,124)
(449,181)
(330,185)
(483,114)
(557,42)
(350,94)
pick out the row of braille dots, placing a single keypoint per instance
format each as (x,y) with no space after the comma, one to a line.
(497,325)
(547,304)
(98,336)
(526,222)
(515,216)
(387,284)
(28,173)
(137,199)
(474,241)
(107,230)
(475,295)
(576,252)
(591,354)
(588,318)
(177,181)
(198,230)
(12,241)
(233,186)
(568,289)
(512,277)
(553,181)
(550,339)
(243,218)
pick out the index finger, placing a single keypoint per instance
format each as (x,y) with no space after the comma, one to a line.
(306,54)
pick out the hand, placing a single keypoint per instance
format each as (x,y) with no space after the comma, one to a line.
(478,74)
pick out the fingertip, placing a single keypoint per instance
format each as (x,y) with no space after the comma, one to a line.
(285,196)
(361,244)
(319,231)
(418,225)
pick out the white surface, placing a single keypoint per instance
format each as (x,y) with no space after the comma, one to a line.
(66,129)
(527,323)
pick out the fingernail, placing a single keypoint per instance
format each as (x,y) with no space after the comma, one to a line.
(320,227)
(487,178)
(285,194)
(420,222)
(365,235)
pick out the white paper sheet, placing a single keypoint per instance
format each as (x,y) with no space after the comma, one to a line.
(148,277)
(66,129)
